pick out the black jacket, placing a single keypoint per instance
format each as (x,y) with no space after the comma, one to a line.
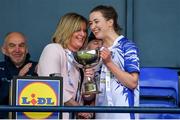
(7,71)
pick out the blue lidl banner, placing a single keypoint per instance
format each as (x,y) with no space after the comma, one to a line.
(37,91)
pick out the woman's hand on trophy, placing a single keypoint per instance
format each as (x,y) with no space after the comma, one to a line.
(89,72)
(106,55)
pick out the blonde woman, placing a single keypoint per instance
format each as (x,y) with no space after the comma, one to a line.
(70,36)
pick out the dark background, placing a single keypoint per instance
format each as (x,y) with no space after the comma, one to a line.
(154,25)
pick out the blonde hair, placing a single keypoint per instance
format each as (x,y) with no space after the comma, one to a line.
(68,24)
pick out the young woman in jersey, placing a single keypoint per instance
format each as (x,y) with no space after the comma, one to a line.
(120,68)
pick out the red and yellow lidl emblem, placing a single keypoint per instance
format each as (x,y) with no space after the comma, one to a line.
(38,94)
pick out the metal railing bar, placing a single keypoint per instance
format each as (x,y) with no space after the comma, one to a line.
(99,109)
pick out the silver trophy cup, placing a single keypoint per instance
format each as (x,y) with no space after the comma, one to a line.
(88,59)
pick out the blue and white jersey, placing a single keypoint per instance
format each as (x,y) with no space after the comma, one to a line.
(124,55)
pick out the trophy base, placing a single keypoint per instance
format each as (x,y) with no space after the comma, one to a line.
(90,88)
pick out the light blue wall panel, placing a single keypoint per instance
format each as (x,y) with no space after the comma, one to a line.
(152,24)
(38,18)
(156,32)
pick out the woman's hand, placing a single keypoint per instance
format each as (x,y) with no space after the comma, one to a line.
(89,72)
(105,55)
(83,115)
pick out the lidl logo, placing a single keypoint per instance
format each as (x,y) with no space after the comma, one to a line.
(37,94)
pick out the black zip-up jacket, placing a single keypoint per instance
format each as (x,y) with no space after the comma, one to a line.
(7,71)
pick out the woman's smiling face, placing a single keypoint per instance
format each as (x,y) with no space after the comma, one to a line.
(98,24)
(78,38)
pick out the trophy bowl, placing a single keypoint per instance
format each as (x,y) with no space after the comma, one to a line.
(88,59)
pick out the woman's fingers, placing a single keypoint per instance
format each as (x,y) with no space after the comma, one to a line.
(89,72)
